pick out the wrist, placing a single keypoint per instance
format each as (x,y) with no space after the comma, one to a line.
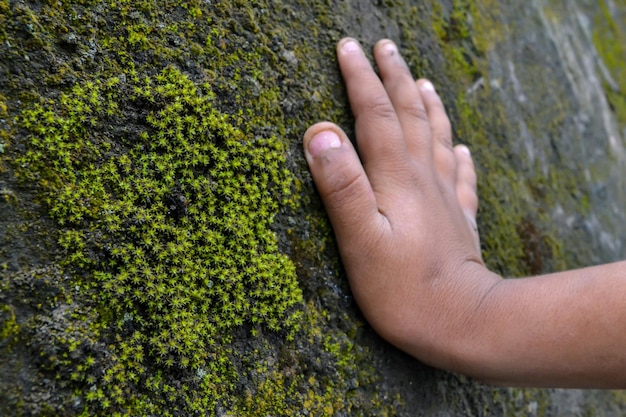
(465,346)
(452,319)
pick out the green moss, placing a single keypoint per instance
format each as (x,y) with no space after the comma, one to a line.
(609,39)
(171,221)
(9,328)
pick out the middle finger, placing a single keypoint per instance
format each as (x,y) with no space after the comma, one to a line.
(406,99)
(379,134)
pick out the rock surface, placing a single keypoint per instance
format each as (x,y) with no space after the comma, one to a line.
(162,248)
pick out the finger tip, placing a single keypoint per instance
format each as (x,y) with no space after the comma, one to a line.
(345,39)
(426,85)
(348,45)
(463,149)
(321,138)
(383,42)
(464,155)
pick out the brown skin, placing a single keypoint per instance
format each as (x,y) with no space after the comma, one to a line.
(404,218)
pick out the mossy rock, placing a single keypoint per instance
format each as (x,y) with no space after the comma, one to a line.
(162,247)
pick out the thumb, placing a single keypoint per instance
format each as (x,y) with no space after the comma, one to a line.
(341,181)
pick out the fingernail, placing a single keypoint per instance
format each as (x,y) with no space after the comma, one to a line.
(464,149)
(391,47)
(322,142)
(428,86)
(350,46)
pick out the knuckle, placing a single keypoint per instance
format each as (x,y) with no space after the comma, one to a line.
(344,188)
(414,109)
(446,141)
(445,159)
(373,237)
(443,125)
(468,194)
(379,107)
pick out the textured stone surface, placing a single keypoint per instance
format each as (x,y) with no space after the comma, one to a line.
(101,102)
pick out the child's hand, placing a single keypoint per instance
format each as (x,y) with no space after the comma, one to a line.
(403,214)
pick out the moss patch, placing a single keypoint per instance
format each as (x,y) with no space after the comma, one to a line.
(169,227)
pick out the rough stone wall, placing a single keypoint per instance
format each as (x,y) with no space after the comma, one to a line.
(162,248)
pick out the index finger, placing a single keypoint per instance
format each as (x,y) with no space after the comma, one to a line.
(379,135)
